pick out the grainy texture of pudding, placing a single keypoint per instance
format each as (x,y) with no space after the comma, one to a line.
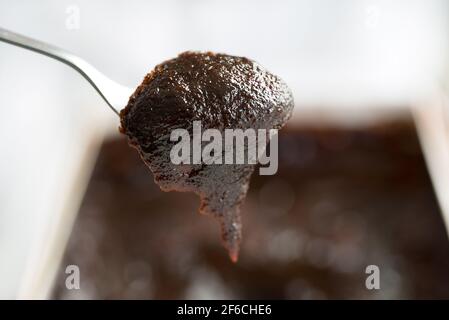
(221,91)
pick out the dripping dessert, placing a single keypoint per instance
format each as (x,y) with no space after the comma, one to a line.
(222,92)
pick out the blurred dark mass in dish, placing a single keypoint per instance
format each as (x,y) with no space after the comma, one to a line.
(342,199)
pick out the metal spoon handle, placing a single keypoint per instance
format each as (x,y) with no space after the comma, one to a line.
(115,95)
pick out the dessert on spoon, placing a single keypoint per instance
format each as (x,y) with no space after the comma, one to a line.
(216,92)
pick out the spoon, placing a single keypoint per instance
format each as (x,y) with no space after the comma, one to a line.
(115,95)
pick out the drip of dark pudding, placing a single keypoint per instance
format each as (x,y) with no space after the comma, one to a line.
(222,92)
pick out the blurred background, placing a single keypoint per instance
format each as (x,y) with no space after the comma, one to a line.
(363,175)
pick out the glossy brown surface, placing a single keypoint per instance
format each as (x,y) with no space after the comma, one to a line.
(342,200)
(221,91)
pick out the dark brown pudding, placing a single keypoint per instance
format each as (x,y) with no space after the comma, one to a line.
(221,91)
(342,199)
